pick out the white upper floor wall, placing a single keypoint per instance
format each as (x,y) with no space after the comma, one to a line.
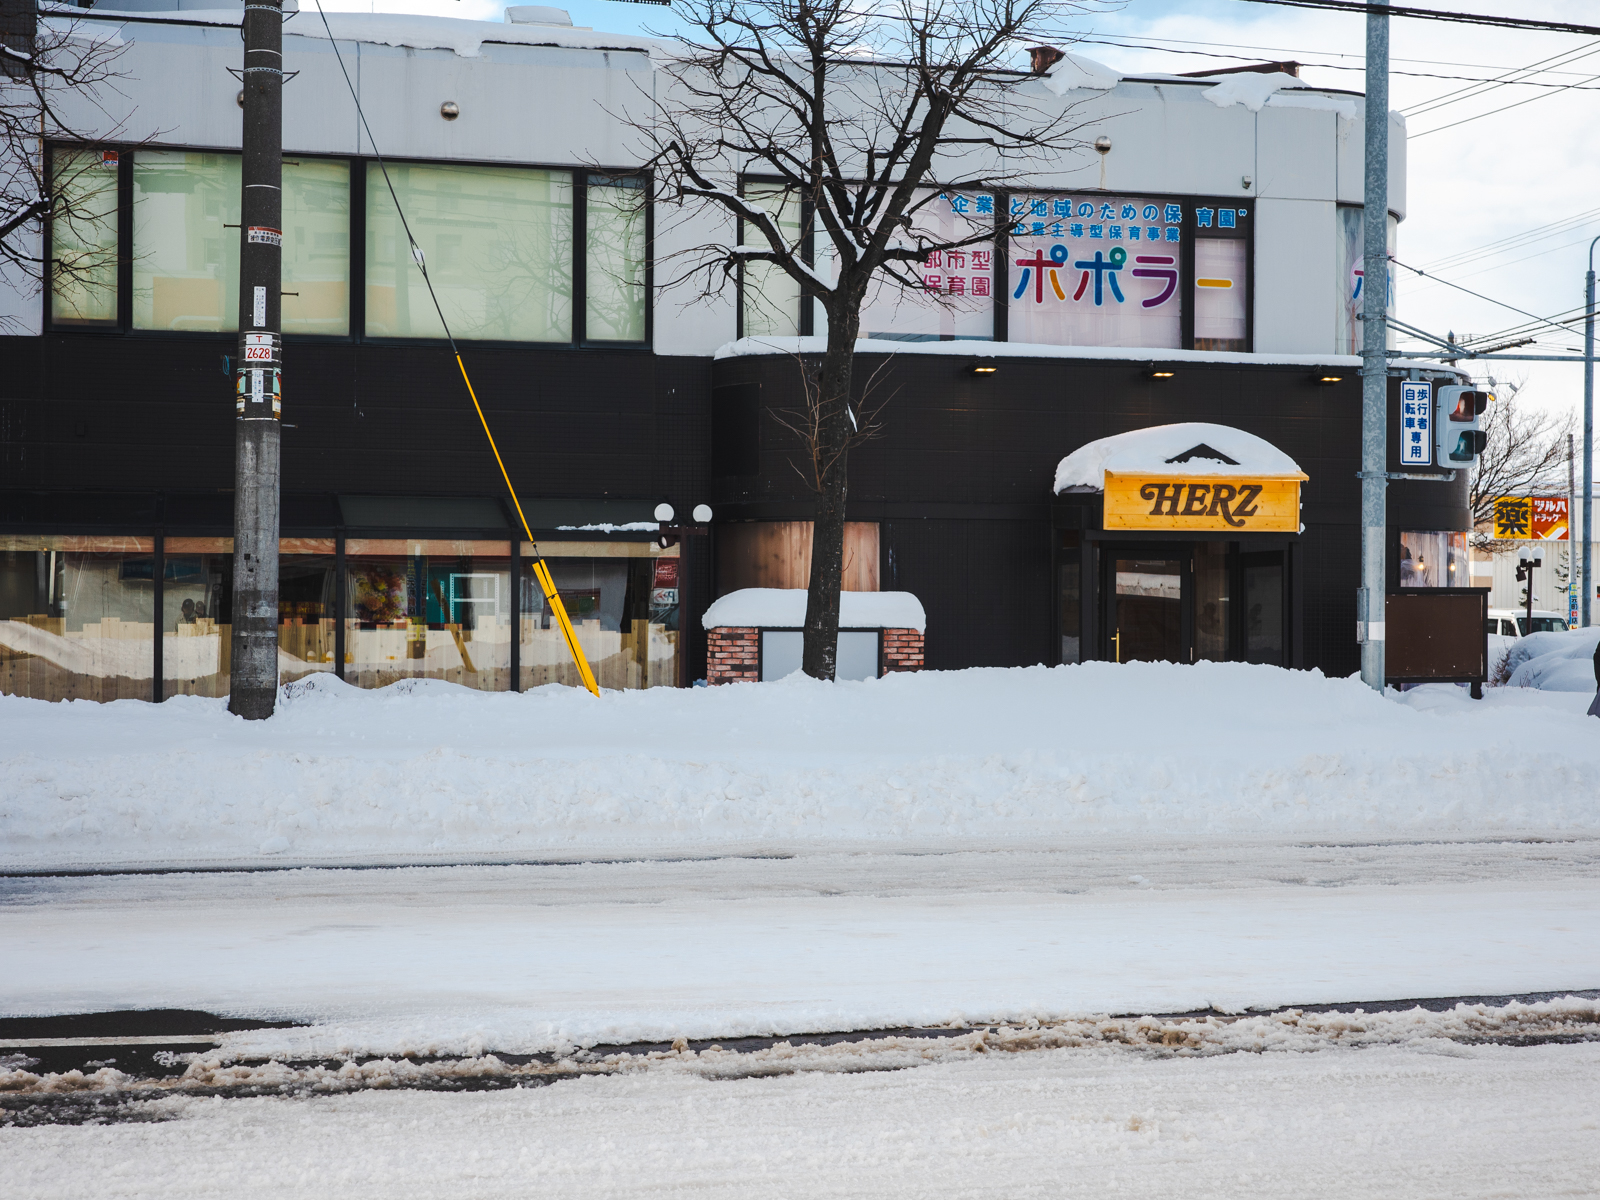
(549,96)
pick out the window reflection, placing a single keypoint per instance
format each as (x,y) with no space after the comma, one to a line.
(614,280)
(76,617)
(1433,558)
(623,605)
(84,244)
(196,616)
(428,610)
(498,243)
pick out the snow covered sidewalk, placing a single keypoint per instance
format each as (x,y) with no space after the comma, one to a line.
(1430,1120)
(1035,757)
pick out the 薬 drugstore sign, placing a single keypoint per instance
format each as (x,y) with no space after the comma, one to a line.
(1188,503)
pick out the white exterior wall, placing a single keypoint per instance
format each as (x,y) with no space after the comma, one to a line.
(557,106)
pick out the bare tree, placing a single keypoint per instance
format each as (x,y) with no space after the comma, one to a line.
(1525,455)
(42,66)
(862,110)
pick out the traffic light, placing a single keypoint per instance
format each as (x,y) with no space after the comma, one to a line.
(1458,426)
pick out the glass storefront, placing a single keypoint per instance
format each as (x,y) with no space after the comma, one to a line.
(437,609)
(76,617)
(196,616)
(622,599)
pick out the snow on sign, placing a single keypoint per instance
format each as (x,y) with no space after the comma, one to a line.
(1416,424)
(1255,505)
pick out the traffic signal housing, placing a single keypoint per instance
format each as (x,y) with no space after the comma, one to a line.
(1458,431)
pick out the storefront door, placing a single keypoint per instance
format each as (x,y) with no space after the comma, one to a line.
(1201,601)
(1147,609)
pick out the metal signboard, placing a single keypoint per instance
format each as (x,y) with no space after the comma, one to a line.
(1258,504)
(1531,518)
(1416,423)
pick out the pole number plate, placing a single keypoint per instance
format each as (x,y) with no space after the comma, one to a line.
(258,348)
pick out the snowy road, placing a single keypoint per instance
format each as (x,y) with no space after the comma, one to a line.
(519,959)
(1433,1120)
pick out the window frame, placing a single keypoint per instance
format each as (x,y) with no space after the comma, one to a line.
(362,176)
(806,318)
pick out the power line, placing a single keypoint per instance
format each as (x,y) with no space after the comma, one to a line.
(1515,240)
(1524,312)
(1491,112)
(1125,44)
(1479,89)
(1434,14)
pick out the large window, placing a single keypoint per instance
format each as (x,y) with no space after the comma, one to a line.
(185,256)
(616,215)
(84,263)
(428,609)
(956,302)
(76,617)
(622,600)
(770,299)
(507,254)
(498,247)
(316,247)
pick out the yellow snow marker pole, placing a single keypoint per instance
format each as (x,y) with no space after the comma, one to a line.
(541,572)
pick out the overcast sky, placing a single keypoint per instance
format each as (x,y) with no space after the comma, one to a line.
(1497,175)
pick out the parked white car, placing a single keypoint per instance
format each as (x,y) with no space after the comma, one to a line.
(1511,622)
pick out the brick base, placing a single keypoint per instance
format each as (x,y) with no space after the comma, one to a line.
(902,650)
(733,653)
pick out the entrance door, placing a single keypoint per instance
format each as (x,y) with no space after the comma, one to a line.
(1147,610)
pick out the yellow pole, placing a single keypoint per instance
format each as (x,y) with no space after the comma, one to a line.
(540,571)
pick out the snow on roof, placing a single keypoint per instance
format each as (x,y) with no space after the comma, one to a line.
(1205,449)
(785,608)
(463,37)
(1279,90)
(750,346)
(1075,71)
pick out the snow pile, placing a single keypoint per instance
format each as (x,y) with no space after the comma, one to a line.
(1554,662)
(426,770)
(785,608)
(1151,451)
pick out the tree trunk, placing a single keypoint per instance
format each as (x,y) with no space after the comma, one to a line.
(819,652)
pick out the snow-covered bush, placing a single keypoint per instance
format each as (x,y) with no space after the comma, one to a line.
(1554,662)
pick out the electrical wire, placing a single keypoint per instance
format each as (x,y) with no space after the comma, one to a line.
(1475,90)
(540,569)
(1492,112)
(1434,14)
(1515,241)
(1524,312)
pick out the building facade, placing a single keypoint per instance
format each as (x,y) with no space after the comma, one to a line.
(1204,268)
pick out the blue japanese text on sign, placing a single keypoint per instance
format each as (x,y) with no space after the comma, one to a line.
(1416,424)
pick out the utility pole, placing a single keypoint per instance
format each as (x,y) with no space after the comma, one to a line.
(1588,435)
(1374,356)
(258,402)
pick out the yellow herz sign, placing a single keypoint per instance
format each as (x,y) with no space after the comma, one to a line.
(1254,504)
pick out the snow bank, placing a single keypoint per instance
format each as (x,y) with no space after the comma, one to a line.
(1554,662)
(1151,451)
(428,771)
(785,608)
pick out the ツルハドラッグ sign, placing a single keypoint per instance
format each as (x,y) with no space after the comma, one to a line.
(1246,504)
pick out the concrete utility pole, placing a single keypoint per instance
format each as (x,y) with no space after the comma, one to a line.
(1375,360)
(254,689)
(1588,436)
